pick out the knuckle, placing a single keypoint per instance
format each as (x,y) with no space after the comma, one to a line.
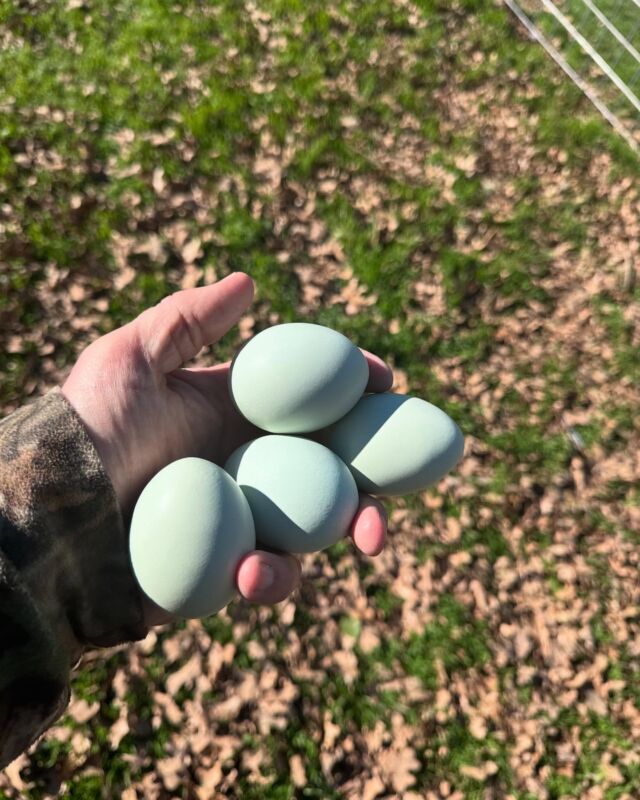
(184,331)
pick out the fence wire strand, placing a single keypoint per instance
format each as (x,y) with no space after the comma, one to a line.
(592,53)
(586,87)
(612,29)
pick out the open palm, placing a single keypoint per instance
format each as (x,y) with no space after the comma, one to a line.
(144,409)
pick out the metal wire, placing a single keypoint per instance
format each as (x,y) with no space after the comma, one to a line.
(588,90)
(632,81)
(593,54)
(584,22)
(612,29)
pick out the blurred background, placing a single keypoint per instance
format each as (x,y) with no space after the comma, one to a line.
(597,44)
(422,177)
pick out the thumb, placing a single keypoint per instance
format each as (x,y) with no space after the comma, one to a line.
(175,330)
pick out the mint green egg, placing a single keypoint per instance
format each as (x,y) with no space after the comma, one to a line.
(190,528)
(297,377)
(302,497)
(395,444)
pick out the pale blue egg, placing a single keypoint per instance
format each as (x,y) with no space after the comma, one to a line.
(395,444)
(297,377)
(190,528)
(302,497)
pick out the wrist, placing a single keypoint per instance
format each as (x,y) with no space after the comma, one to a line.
(102,437)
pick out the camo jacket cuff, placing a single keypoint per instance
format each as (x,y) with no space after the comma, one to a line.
(66,582)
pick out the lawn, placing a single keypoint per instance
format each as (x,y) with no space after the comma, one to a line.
(621,58)
(421,177)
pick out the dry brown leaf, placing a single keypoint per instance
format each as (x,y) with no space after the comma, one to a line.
(252,761)
(477,727)
(157,181)
(208,780)
(13,773)
(331,732)
(297,771)
(347,663)
(245,327)
(372,788)
(227,709)
(186,675)
(170,708)
(400,381)
(77,292)
(81,711)
(15,344)
(172,649)
(124,278)
(398,766)
(218,657)
(119,729)
(480,773)
(192,250)
(151,786)
(171,770)
(354,296)
(191,276)
(274,707)
(368,639)
(80,749)
(153,247)
(349,122)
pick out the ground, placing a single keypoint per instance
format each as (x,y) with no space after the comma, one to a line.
(419,176)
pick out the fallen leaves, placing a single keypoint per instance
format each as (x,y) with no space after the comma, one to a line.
(171,770)
(192,250)
(152,246)
(480,773)
(538,550)
(186,675)
(81,711)
(218,657)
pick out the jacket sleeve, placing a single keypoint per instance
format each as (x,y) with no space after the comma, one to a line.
(65,577)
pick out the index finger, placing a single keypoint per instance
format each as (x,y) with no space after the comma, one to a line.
(380,375)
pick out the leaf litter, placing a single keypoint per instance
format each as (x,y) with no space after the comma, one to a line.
(534,652)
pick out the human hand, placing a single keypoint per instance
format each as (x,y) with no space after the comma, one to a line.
(144,409)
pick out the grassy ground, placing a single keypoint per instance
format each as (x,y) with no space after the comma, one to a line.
(420,177)
(622,15)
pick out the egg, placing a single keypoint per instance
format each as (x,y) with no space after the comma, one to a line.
(395,444)
(297,377)
(302,497)
(190,527)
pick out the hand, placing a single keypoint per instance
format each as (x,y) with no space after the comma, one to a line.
(143,410)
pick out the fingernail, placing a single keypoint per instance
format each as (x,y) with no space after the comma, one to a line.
(266,576)
(379,360)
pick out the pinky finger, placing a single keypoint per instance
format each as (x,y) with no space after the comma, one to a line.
(369,526)
(264,577)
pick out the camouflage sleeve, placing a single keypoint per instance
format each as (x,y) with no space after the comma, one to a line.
(65,577)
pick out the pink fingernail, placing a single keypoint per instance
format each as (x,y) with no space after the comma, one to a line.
(266,576)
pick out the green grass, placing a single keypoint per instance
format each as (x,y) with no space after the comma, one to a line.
(95,99)
(621,16)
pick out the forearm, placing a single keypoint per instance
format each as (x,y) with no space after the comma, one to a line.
(65,578)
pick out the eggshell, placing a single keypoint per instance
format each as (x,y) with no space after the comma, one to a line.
(297,377)
(395,444)
(302,497)
(190,528)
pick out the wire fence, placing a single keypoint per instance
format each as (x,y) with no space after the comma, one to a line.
(597,44)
